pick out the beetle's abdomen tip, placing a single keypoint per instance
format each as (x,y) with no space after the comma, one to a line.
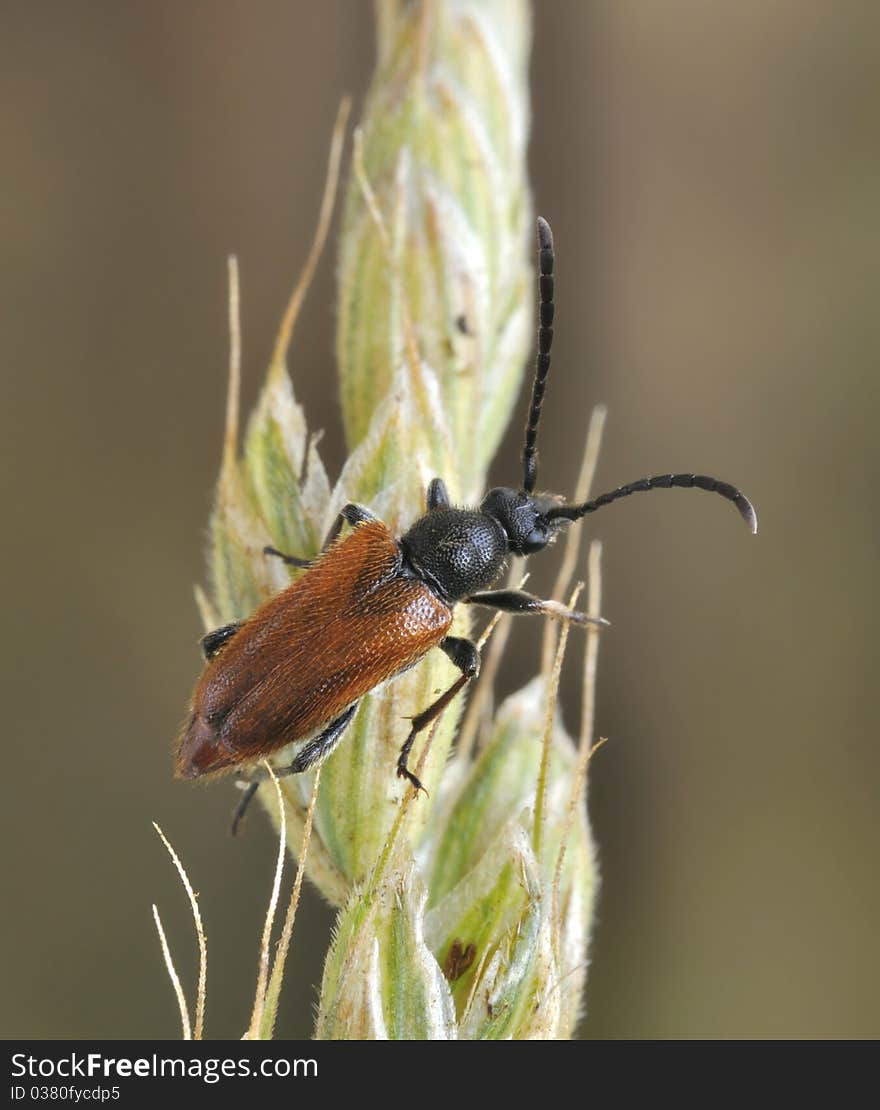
(200,752)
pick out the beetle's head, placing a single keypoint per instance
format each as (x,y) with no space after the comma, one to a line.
(523,516)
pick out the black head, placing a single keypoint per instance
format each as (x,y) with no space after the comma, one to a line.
(523,516)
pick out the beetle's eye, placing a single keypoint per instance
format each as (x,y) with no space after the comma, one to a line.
(536,540)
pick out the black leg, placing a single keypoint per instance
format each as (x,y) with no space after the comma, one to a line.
(463,653)
(437,496)
(466,656)
(312,753)
(350,514)
(518,601)
(246,798)
(215,640)
(321,746)
(291,560)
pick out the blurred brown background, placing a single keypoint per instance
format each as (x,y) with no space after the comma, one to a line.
(712,173)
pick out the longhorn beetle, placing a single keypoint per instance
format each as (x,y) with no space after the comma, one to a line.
(370,606)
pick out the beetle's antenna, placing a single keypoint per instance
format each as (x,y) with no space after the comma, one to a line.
(664,481)
(542,361)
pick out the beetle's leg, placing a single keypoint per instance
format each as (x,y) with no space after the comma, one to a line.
(422,721)
(466,656)
(518,601)
(215,640)
(321,746)
(350,514)
(312,753)
(437,496)
(291,560)
(246,799)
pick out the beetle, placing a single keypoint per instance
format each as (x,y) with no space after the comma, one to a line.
(370,606)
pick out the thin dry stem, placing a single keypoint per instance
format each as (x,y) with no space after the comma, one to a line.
(588,712)
(277,977)
(263,972)
(577,786)
(200,934)
(230,436)
(489,629)
(173,976)
(325,216)
(591,652)
(575,533)
(552,692)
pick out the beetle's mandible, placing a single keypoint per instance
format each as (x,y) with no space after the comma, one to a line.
(370,606)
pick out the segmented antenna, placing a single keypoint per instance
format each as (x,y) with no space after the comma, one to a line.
(664,481)
(542,361)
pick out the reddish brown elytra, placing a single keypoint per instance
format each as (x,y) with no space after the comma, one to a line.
(307,655)
(370,606)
